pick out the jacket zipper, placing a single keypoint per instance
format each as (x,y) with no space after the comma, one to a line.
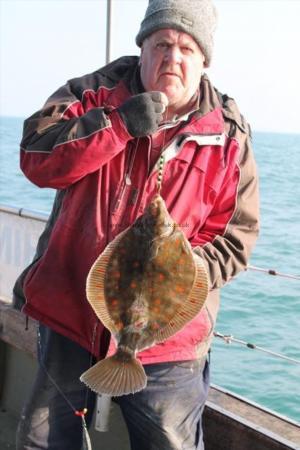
(211,321)
(127,178)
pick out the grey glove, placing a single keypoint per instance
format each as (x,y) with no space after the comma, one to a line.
(142,113)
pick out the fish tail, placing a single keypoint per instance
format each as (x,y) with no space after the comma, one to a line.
(117,375)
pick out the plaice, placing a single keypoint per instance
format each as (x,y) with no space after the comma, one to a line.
(145,286)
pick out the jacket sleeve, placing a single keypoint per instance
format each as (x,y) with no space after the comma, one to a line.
(65,140)
(226,249)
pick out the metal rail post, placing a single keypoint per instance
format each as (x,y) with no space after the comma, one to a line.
(109,9)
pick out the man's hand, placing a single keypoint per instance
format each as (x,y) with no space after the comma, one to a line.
(142,113)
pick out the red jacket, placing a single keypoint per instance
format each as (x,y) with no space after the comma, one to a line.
(79,145)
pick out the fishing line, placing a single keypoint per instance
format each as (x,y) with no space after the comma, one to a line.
(161,162)
(273,272)
(160,172)
(86,441)
(91,359)
(228,338)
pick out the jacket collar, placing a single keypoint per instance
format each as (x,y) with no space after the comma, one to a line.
(212,100)
(230,112)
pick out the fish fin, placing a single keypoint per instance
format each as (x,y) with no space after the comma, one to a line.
(115,377)
(95,284)
(190,307)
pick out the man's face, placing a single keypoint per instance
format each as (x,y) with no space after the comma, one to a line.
(172,62)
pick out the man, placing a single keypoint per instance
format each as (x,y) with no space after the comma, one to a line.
(97,141)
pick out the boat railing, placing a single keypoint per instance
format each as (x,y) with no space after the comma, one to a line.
(23,212)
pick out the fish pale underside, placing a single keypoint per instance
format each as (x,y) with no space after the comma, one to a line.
(145,286)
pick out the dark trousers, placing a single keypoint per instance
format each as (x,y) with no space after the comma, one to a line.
(166,415)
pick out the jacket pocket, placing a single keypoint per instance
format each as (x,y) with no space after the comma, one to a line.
(208,162)
(203,343)
(211,323)
(19,298)
(30,272)
(204,327)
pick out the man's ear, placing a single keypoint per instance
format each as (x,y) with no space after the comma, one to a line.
(141,55)
(203,59)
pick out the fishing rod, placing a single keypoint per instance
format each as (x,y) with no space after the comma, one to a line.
(229,338)
(273,272)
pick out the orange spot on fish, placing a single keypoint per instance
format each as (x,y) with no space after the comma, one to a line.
(133,285)
(114,302)
(157,301)
(179,288)
(156,309)
(160,259)
(161,276)
(116,274)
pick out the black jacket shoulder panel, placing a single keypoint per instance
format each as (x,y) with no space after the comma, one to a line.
(107,76)
(231,113)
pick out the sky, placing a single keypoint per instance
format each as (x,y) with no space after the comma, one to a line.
(43,43)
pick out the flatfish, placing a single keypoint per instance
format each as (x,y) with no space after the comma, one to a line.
(145,286)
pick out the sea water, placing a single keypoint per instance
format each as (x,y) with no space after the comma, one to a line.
(255,307)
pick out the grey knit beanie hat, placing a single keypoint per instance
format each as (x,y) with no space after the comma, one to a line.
(195,17)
